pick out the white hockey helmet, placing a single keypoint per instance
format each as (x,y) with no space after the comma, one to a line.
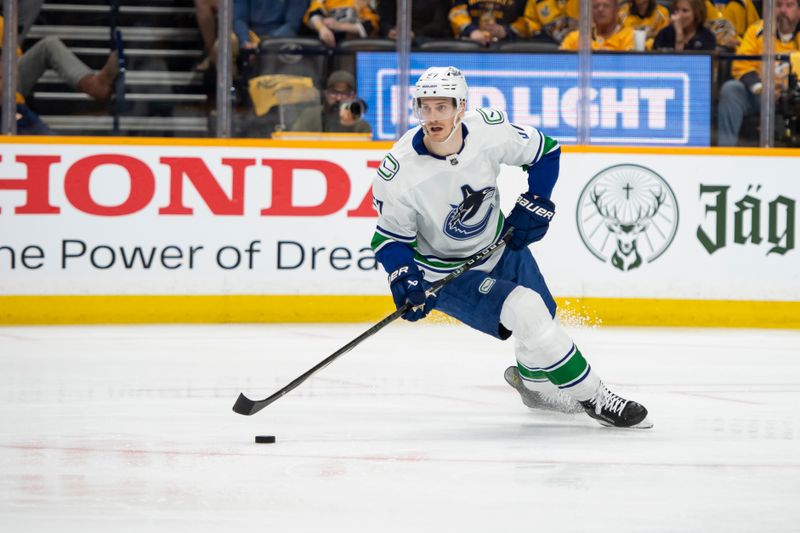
(442,82)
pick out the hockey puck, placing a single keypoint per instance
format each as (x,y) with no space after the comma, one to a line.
(265,439)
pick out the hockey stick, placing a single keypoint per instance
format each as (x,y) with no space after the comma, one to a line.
(246,406)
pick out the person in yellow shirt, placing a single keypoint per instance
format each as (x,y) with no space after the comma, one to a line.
(337,20)
(742,14)
(722,28)
(488,22)
(739,97)
(607,32)
(551,19)
(644,15)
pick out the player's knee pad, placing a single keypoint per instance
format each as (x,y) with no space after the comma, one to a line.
(525,314)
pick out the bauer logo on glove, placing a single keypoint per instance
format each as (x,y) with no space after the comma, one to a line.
(407,289)
(530,219)
(535,209)
(402,271)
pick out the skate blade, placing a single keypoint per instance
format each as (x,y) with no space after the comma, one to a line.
(644,424)
(541,401)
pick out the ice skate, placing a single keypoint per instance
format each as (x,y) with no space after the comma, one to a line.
(615,411)
(558,401)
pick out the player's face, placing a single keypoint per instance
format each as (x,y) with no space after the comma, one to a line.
(437,115)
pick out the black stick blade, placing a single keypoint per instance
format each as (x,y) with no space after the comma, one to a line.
(244,405)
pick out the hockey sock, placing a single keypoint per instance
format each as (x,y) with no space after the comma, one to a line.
(545,351)
(572,374)
(533,377)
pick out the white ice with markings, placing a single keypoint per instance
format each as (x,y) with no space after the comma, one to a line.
(131,429)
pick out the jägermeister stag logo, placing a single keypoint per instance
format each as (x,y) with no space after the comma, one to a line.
(627,216)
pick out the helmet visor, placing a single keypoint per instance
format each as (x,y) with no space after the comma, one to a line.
(435,109)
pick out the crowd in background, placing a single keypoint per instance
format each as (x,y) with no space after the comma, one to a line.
(487,22)
(617,25)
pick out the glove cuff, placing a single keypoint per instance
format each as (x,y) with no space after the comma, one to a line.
(395,255)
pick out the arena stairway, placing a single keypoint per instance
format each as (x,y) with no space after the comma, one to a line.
(164,95)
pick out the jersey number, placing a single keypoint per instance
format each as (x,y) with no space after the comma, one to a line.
(520,131)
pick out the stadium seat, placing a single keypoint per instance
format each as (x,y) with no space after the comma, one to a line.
(529,46)
(362,45)
(449,45)
(294,56)
(344,58)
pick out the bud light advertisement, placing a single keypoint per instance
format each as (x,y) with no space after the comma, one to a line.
(635,99)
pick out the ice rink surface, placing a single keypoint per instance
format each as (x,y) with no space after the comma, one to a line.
(131,429)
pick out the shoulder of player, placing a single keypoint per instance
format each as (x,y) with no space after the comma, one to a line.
(395,165)
(486,116)
(493,126)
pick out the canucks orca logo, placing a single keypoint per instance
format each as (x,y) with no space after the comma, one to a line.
(457,224)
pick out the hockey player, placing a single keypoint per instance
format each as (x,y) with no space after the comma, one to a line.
(438,204)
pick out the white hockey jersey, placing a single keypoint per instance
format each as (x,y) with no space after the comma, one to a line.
(448,209)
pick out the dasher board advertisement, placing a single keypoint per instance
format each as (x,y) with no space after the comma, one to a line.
(288,220)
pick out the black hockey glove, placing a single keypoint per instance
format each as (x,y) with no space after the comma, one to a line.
(406,286)
(530,219)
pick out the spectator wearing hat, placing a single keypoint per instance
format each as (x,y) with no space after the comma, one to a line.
(337,114)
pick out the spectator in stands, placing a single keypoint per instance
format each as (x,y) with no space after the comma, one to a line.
(488,22)
(687,30)
(607,32)
(428,19)
(740,96)
(252,21)
(52,53)
(551,20)
(256,19)
(742,14)
(206,13)
(338,20)
(28,122)
(645,15)
(723,30)
(28,12)
(334,115)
